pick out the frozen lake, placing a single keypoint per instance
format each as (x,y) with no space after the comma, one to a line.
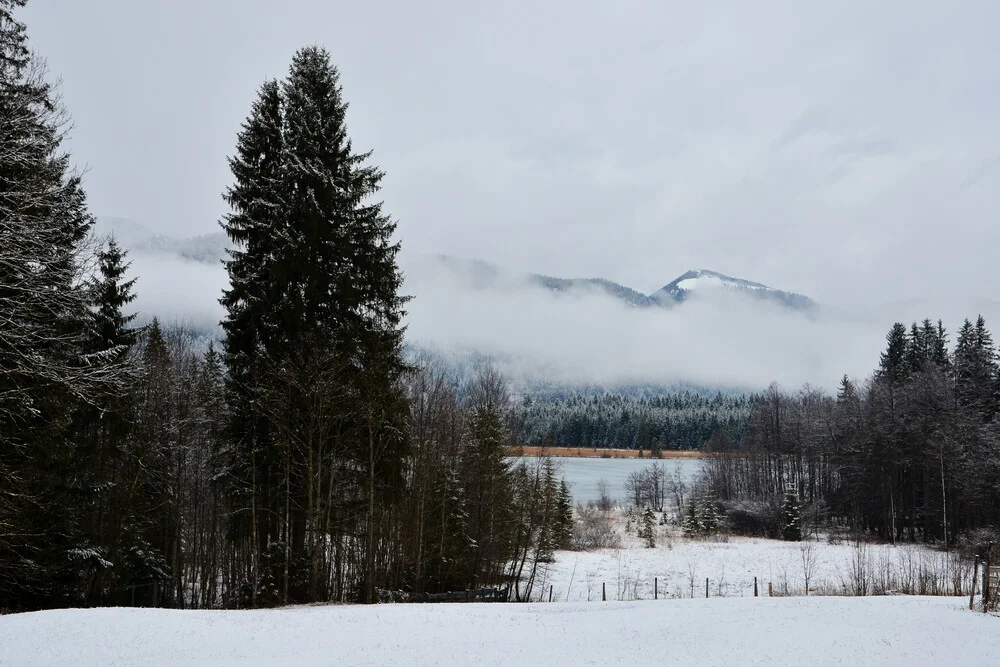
(583,474)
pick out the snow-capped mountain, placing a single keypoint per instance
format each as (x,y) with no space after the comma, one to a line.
(543,332)
(701,282)
(697,283)
(200,259)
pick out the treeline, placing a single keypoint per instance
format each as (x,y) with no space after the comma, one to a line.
(679,420)
(303,461)
(912,453)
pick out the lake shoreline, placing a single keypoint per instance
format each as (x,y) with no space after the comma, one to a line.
(597,453)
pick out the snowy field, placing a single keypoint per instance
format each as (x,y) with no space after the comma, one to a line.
(682,565)
(907,631)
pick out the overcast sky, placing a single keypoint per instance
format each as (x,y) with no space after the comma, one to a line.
(848,150)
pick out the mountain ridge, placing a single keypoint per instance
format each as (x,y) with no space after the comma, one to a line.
(480,274)
(695,281)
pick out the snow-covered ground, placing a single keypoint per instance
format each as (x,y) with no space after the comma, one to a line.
(777,631)
(730,565)
(630,628)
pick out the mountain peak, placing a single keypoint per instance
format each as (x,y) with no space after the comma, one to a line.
(704,281)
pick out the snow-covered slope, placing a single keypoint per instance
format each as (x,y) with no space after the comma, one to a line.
(698,283)
(881,631)
(477,274)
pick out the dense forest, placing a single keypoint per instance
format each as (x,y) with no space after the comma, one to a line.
(304,460)
(674,420)
(911,453)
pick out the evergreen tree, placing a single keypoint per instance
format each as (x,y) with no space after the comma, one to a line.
(916,349)
(315,286)
(349,281)
(709,516)
(103,426)
(148,524)
(847,391)
(211,392)
(44,375)
(939,348)
(791,518)
(256,227)
(893,363)
(449,532)
(564,517)
(965,360)
(976,368)
(647,529)
(485,466)
(691,524)
(549,524)
(112,293)
(986,370)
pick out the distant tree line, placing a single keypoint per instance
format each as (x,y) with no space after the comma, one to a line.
(303,461)
(677,420)
(912,453)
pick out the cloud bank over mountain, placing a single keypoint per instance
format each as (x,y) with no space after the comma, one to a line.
(586,335)
(541,329)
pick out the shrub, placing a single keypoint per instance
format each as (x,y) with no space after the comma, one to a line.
(754,519)
(594,530)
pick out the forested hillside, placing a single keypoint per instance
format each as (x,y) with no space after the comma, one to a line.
(632,420)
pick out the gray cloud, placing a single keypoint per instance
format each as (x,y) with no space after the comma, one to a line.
(837,150)
(584,336)
(178,290)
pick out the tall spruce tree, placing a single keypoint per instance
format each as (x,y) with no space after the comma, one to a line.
(976,368)
(112,293)
(255,226)
(939,349)
(103,426)
(564,517)
(916,349)
(44,375)
(314,281)
(893,363)
(986,370)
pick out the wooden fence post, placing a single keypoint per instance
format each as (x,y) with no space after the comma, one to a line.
(770,590)
(550,592)
(604,592)
(656,588)
(986,579)
(755,586)
(706,587)
(975,575)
